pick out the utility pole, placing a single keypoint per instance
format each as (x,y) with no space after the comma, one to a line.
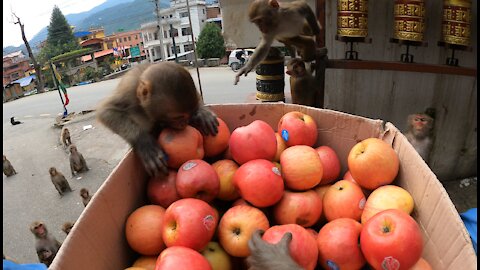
(159,27)
(174,45)
(194,49)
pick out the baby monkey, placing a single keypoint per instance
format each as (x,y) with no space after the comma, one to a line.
(8,169)
(86,197)
(419,134)
(46,245)
(151,97)
(266,256)
(303,86)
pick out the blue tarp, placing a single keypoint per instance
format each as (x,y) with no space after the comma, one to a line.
(25,81)
(470,219)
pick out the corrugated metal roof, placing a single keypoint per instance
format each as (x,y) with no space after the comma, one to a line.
(81,34)
(25,81)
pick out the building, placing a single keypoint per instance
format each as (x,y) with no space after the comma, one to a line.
(176,28)
(91,39)
(127,44)
(15,66)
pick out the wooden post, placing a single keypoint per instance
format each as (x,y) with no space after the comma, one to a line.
(320,56)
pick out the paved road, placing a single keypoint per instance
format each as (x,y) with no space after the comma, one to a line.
(33,147)
(217,87)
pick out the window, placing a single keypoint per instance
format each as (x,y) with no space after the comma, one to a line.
(136,37)
(119,40)
(176,47)
(188,47)
(165,34)
(129,38)
(155,36)
(173,32)
(109,45)
(186,31)
(183,14)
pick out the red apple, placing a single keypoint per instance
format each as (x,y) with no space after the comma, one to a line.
(197,179)
(237,226)
(181,258)
(143,229)
(254,141)
(302,208)
(162,190)
(259,182)
(240,201)
(145,262)
(330,163)
(422,264)
(281,146)
(301,167)
(387,197)
(338,245)
(217,257)
(181,145)
(298,128)
(373,163)
(215,145)
(348,176)
(190,223)
(303,247)
(391,239)
(225,169)
(344,199)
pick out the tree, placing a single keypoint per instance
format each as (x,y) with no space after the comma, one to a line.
(36,66)
(60,37)
(210,42)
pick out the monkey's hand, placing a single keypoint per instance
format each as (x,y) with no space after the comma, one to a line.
(243,71)
(205,121)
(264,255)
(153,158)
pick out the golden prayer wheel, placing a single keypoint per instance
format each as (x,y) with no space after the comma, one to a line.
(456,22)
(352,18)
(409,16)
(271,77)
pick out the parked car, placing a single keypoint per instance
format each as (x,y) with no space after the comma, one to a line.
(233,62)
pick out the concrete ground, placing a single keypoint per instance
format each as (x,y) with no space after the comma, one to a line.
(30,195)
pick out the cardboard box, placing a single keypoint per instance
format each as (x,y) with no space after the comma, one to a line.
(97,241)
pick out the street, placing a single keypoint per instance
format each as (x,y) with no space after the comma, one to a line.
(34,146)
(217,87)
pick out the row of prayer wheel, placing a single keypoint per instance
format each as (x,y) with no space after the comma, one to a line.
(409,20)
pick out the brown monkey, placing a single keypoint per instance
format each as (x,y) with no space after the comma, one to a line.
(419,134)
(86,197)
(303,86)
(65,137)
(293,24)
(8,169)
(59,181)
(266,256)
(46,245)
(149,98)
(77,162)
(67,227)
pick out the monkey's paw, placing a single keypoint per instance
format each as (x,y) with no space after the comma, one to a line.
(205,121)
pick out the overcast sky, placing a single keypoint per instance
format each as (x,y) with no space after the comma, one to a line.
(35,14)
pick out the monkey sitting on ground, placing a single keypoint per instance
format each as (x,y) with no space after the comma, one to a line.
(266,256)
(303,86)
(46,245)
(293,24)
(151,97)
(65,137)
(67,227)
(14,122)
(59,181)
(419,134)
(77,162)
(86,197)
(8,169)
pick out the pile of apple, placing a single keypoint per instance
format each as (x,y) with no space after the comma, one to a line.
(223,188)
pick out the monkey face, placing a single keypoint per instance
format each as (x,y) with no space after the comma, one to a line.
(73,149)
(420,121)
(39,229)
(178,121)
(52,171)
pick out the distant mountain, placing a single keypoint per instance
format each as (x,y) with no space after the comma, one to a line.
(112,15)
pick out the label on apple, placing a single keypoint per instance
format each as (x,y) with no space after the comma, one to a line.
(390,263)
(332,265)
(209,222)
(361,203)
(189,165)
(276,171)
(285,135)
